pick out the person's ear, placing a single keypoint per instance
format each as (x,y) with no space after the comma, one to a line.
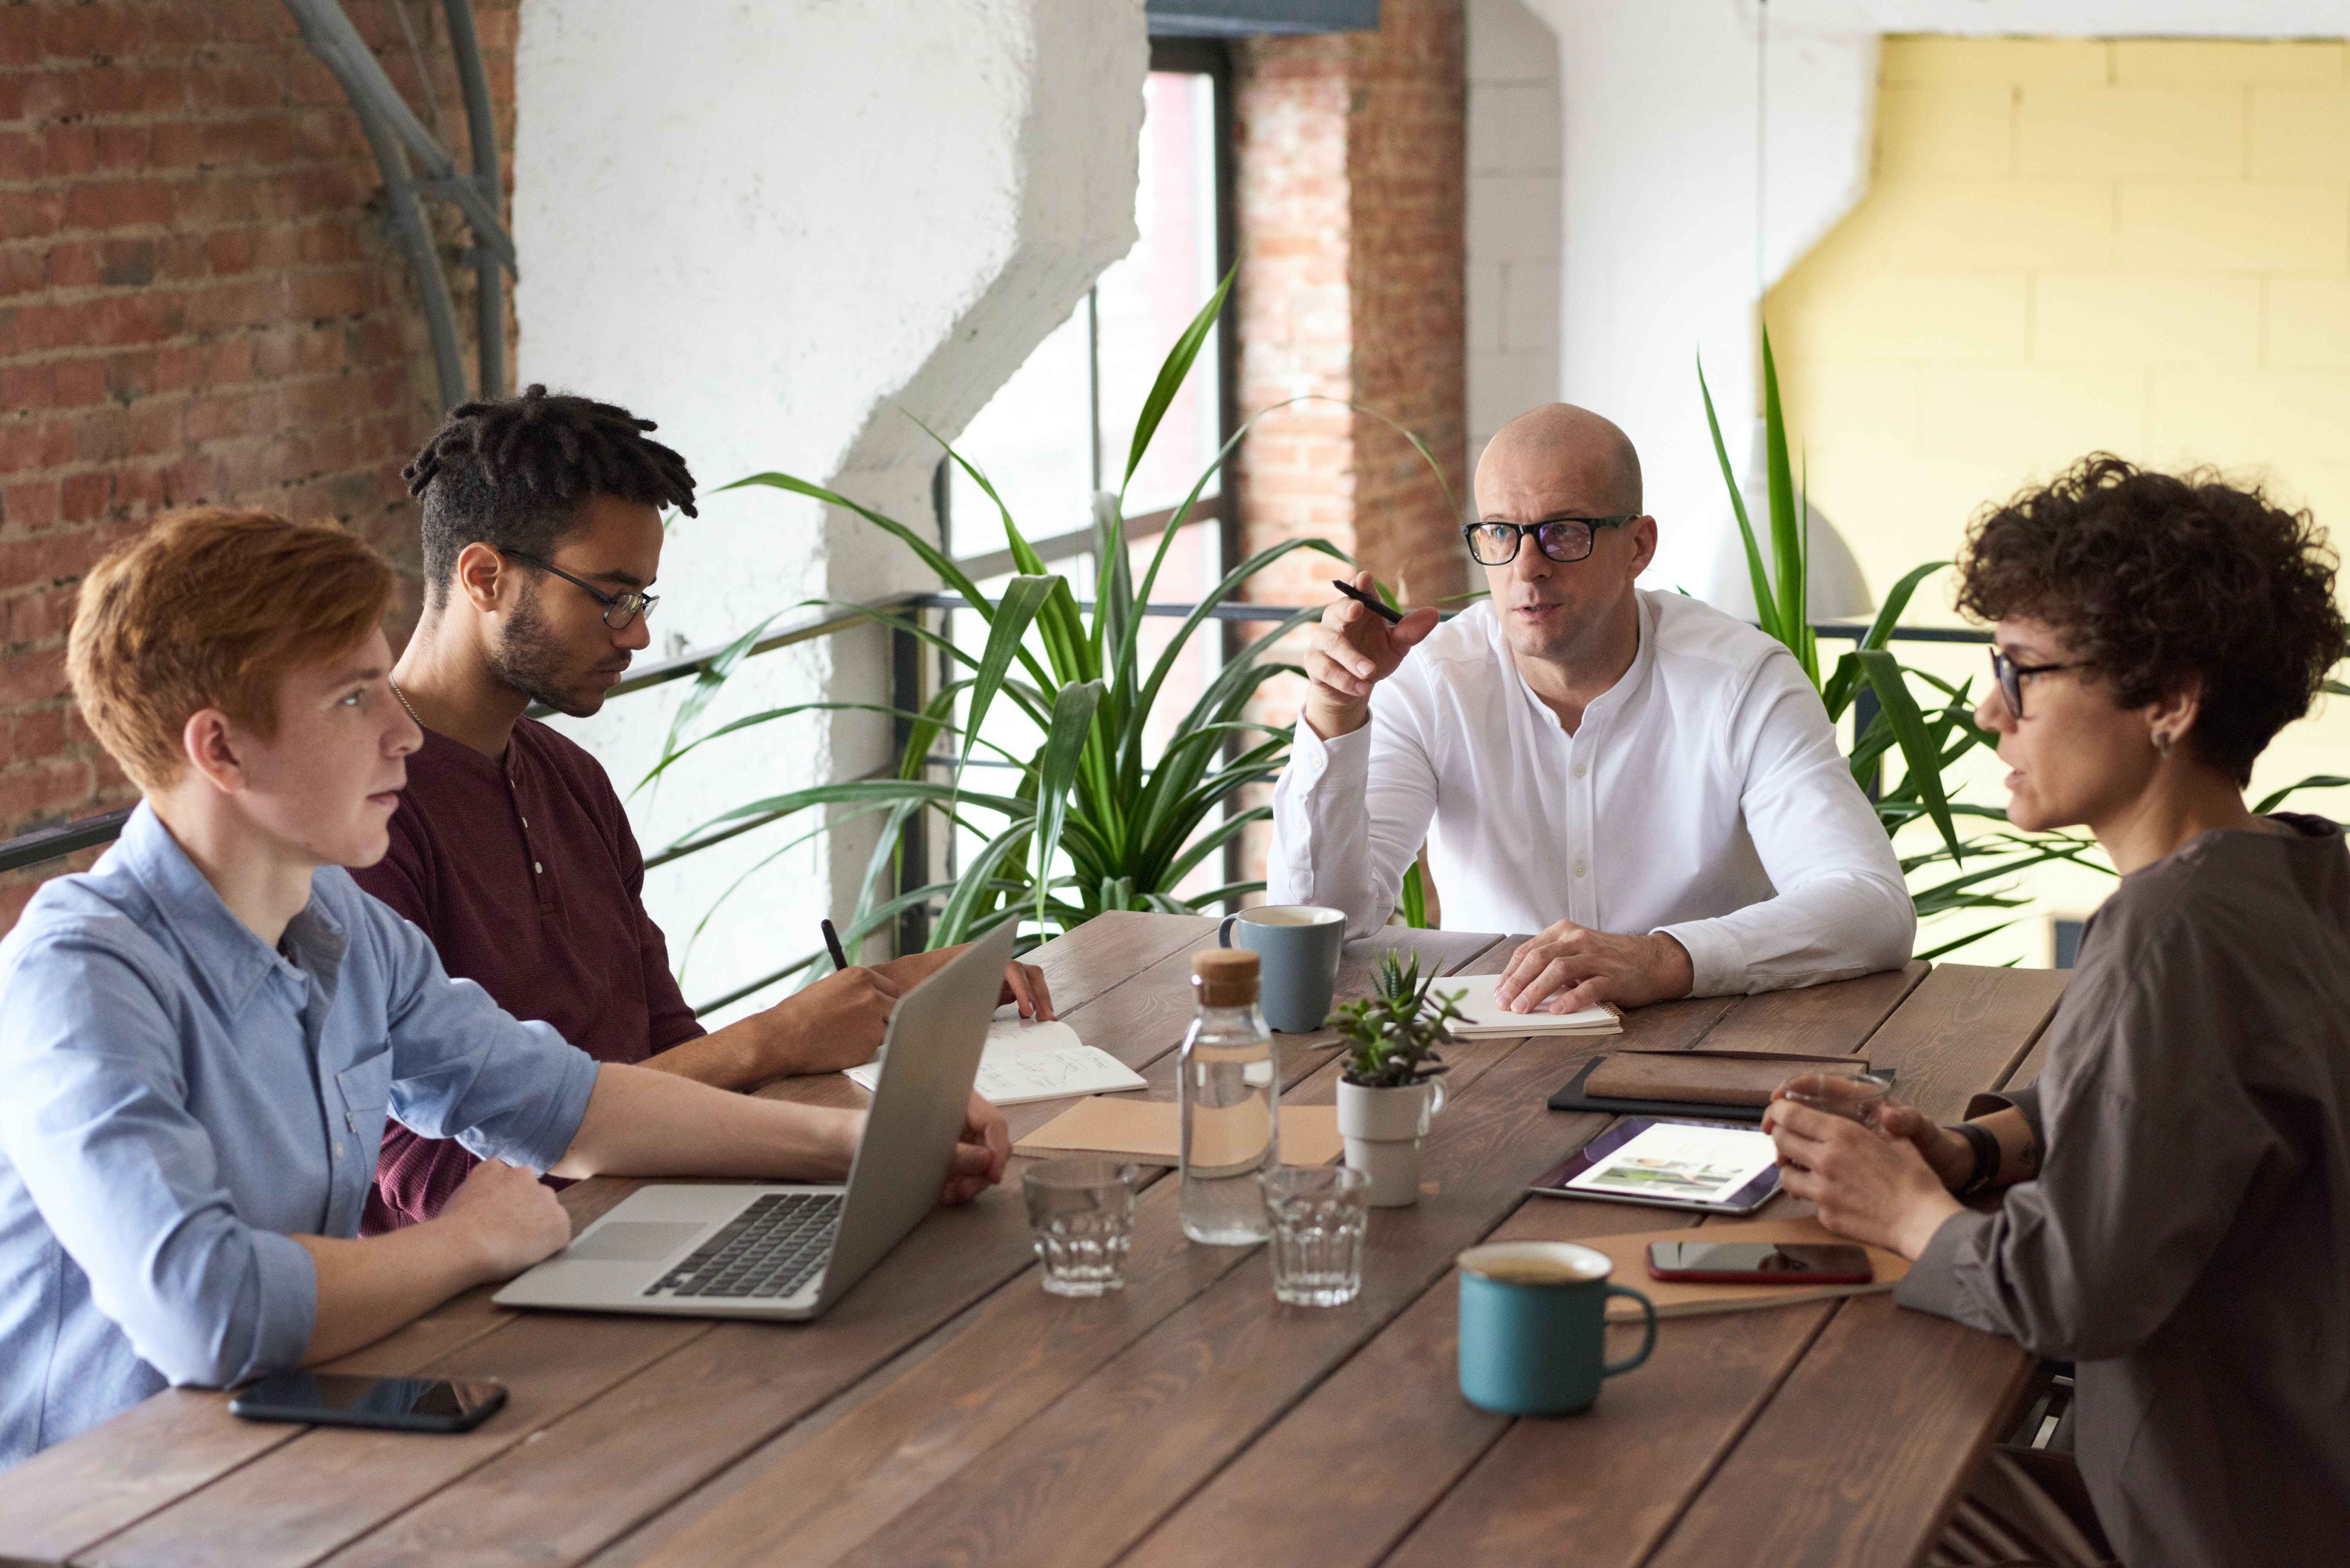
(2170,718)
(214,749)
(1643,530)
(481,572)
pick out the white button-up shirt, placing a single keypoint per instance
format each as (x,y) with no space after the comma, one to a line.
(1702,796)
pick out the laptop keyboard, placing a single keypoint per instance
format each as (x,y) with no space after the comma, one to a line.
(770,1250)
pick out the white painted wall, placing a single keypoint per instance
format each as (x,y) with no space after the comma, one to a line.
(772,227)
(1659,190)
(1514,192)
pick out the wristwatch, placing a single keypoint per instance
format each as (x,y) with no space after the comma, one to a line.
(1985,1143)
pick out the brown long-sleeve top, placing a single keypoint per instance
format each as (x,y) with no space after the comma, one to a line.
(2188,1239)
(523,871)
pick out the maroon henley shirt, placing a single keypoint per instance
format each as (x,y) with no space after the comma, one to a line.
(524,874)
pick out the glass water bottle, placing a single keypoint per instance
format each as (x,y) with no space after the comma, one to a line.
(1229,1080)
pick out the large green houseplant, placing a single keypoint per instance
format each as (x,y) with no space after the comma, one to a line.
(1087,820)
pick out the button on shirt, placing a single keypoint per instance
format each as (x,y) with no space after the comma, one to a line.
(1702,796)
(182,1100)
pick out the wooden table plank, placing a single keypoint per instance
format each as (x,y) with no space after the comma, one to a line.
(1859,1457)
(1818,1020)
(1246,1508)
(579,1484)
(252,1518)
(1388,1437)
(821,1487)
(1083,1481)
(170,1447)
(1964,1029)
(160,1449)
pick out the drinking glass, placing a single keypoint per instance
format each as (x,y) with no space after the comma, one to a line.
(1319,1214)
(1860,1098)
(1081,1218)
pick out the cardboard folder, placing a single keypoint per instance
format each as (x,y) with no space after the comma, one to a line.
(1677,1298)
(1150,1132)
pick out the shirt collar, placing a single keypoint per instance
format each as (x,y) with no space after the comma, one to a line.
(221,947)
(1637,674)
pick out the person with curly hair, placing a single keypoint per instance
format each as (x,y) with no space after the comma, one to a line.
(2169,1207)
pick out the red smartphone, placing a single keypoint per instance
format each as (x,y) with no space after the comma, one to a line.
(1760,1263)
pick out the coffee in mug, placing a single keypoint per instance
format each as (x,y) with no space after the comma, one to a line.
(1298,947)
(1533,1325)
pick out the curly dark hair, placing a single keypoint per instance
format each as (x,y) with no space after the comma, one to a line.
(512,473)
(2155,576)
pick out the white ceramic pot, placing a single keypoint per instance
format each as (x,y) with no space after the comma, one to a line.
(1383,1129)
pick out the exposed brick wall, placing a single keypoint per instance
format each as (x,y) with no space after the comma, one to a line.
(1351,181)
(1351,177)
(199,302)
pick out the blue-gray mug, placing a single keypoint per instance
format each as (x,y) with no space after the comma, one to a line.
(1532,1321)
(1298,947)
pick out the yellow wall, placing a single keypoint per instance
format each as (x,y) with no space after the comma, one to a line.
(2142,246)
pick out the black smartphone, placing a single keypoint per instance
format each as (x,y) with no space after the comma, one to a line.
(394,1404)
(1760,1263)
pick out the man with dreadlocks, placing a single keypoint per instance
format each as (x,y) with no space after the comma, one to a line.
(510,848)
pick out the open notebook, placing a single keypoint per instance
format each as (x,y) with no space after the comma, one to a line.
(1487,1020)
(1026,1061)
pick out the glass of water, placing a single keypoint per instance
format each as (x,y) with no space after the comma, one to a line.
(1081,1218)
(1319,1213)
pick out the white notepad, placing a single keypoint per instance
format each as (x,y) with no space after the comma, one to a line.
(1486,1018)
(1026,1061)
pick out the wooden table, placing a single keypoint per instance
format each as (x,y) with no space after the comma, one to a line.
(948,1412)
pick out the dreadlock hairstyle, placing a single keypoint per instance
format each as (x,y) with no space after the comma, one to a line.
(512,474)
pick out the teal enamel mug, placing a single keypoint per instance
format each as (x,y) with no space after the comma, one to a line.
(1534,1319)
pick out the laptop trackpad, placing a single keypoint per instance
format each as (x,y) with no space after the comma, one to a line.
(632,1242)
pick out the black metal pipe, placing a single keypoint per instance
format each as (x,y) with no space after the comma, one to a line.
(482,127)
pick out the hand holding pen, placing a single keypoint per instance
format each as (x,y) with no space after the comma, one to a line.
(1359,643)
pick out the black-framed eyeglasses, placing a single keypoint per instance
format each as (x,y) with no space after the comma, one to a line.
(2010,676)
(1565,540)
(620,609)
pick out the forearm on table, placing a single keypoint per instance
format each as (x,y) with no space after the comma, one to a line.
(1829,929)
(741,1056)
(2019,1148)
(368,1288)
(641,1123)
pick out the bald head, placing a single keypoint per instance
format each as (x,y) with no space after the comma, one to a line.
(1564,450)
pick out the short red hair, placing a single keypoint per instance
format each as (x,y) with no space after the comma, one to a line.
(210,609)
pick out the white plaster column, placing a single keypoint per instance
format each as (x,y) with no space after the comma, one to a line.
(778,229)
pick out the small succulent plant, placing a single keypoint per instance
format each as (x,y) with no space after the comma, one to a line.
(1391,1036)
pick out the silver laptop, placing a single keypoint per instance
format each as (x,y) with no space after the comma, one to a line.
(791,1251)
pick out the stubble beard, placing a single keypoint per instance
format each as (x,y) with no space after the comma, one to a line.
(532,660)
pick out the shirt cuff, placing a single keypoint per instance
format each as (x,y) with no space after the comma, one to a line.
(1312,758)
(287,1302)
(1716,968)
(559,1116)
(1932,1282)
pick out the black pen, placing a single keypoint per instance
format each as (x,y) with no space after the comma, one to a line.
(1390,616)
(832,945)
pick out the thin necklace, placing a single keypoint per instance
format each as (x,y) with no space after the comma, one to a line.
(403,700)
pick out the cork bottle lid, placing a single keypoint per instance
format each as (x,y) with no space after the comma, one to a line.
(1224,977)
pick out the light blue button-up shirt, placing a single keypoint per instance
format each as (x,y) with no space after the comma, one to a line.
(177,1101)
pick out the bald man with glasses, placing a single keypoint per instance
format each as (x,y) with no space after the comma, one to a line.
(1650,784)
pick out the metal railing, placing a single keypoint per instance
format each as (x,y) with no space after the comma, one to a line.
(44,845)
